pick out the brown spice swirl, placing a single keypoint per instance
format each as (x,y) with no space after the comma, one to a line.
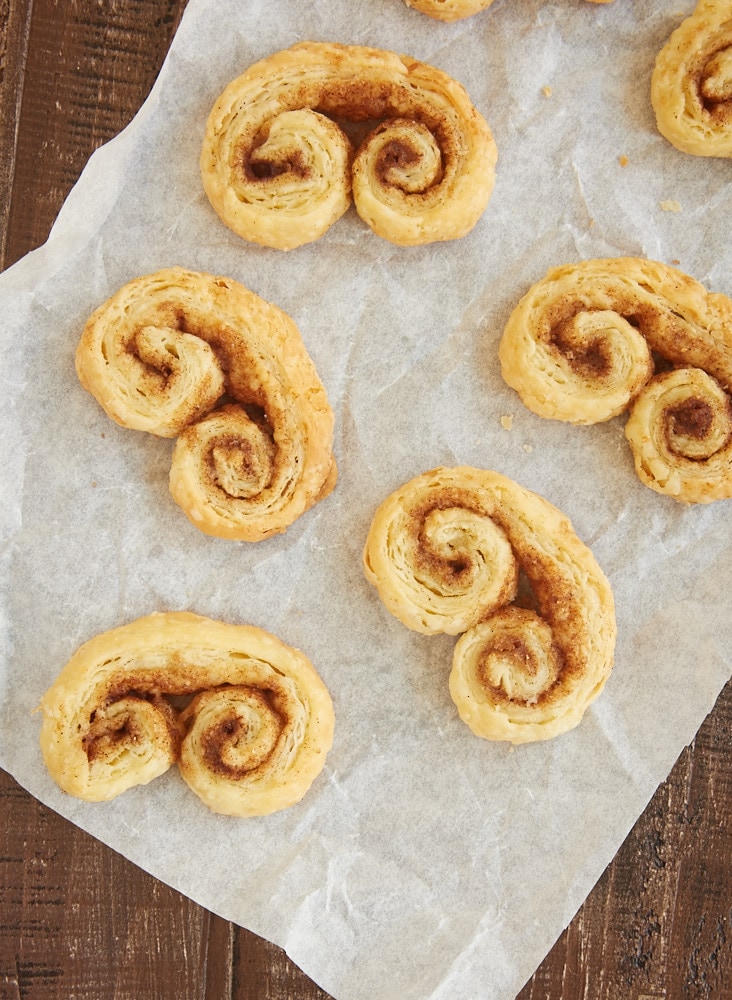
(252,739)
(691,86)
(583,345)
(680,430)
(186,354)
(449,552)
(279,171)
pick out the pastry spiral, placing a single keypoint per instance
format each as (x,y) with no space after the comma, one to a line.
(186,354)
(583,344)
(251,739)
(279,171)
(452,551)
(680,430)
(455,10)
(691,85)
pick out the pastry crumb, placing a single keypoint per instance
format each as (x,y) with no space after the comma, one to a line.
(623,160)
(670,206)
(528,448)
(546,91)
(507,421)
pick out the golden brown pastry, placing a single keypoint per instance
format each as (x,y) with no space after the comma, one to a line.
(181,353)
(279,171)
(251,739)
(691,86)
(680,430)
(449,10)
(450,550)
(583,343)
(455,10)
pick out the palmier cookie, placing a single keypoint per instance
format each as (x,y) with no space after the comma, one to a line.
(449,551)
(279,171)
(253,732)
(594,339)
(189,355)
(691,86)
(455,10)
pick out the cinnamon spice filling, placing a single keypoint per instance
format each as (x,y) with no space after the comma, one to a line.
(691,418)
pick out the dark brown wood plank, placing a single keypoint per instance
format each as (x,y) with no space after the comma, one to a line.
(89,66)
(263,972)
(77,919)
(15,21)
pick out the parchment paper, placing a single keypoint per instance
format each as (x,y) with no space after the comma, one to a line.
(425,863)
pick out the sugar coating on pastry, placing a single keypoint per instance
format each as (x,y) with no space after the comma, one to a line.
(246,718)
(591,340)
(456,10)
(452,551)
(691,85)
(199,357)
(279,171)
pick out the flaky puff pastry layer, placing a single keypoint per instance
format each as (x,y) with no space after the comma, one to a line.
(191,355)
(279,171)
(455,10)
(591,340)
(252,736)
(691,85)
(465,550)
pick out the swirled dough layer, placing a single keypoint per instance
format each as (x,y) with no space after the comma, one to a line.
(186,354)
(279,171)
(691,86)
(680,431)
(455,10)
(251,739)
(586,341)
(465,550)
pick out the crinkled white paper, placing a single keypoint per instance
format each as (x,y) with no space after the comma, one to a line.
(424,863)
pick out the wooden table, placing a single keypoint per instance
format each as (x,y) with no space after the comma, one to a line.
(76,920)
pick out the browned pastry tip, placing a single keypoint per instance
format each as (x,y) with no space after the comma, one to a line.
(199,357)
(279,171)
(251,740)
(447,552)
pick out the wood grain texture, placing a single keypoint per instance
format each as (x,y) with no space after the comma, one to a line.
(78,920)
(15,22)
(659,922)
